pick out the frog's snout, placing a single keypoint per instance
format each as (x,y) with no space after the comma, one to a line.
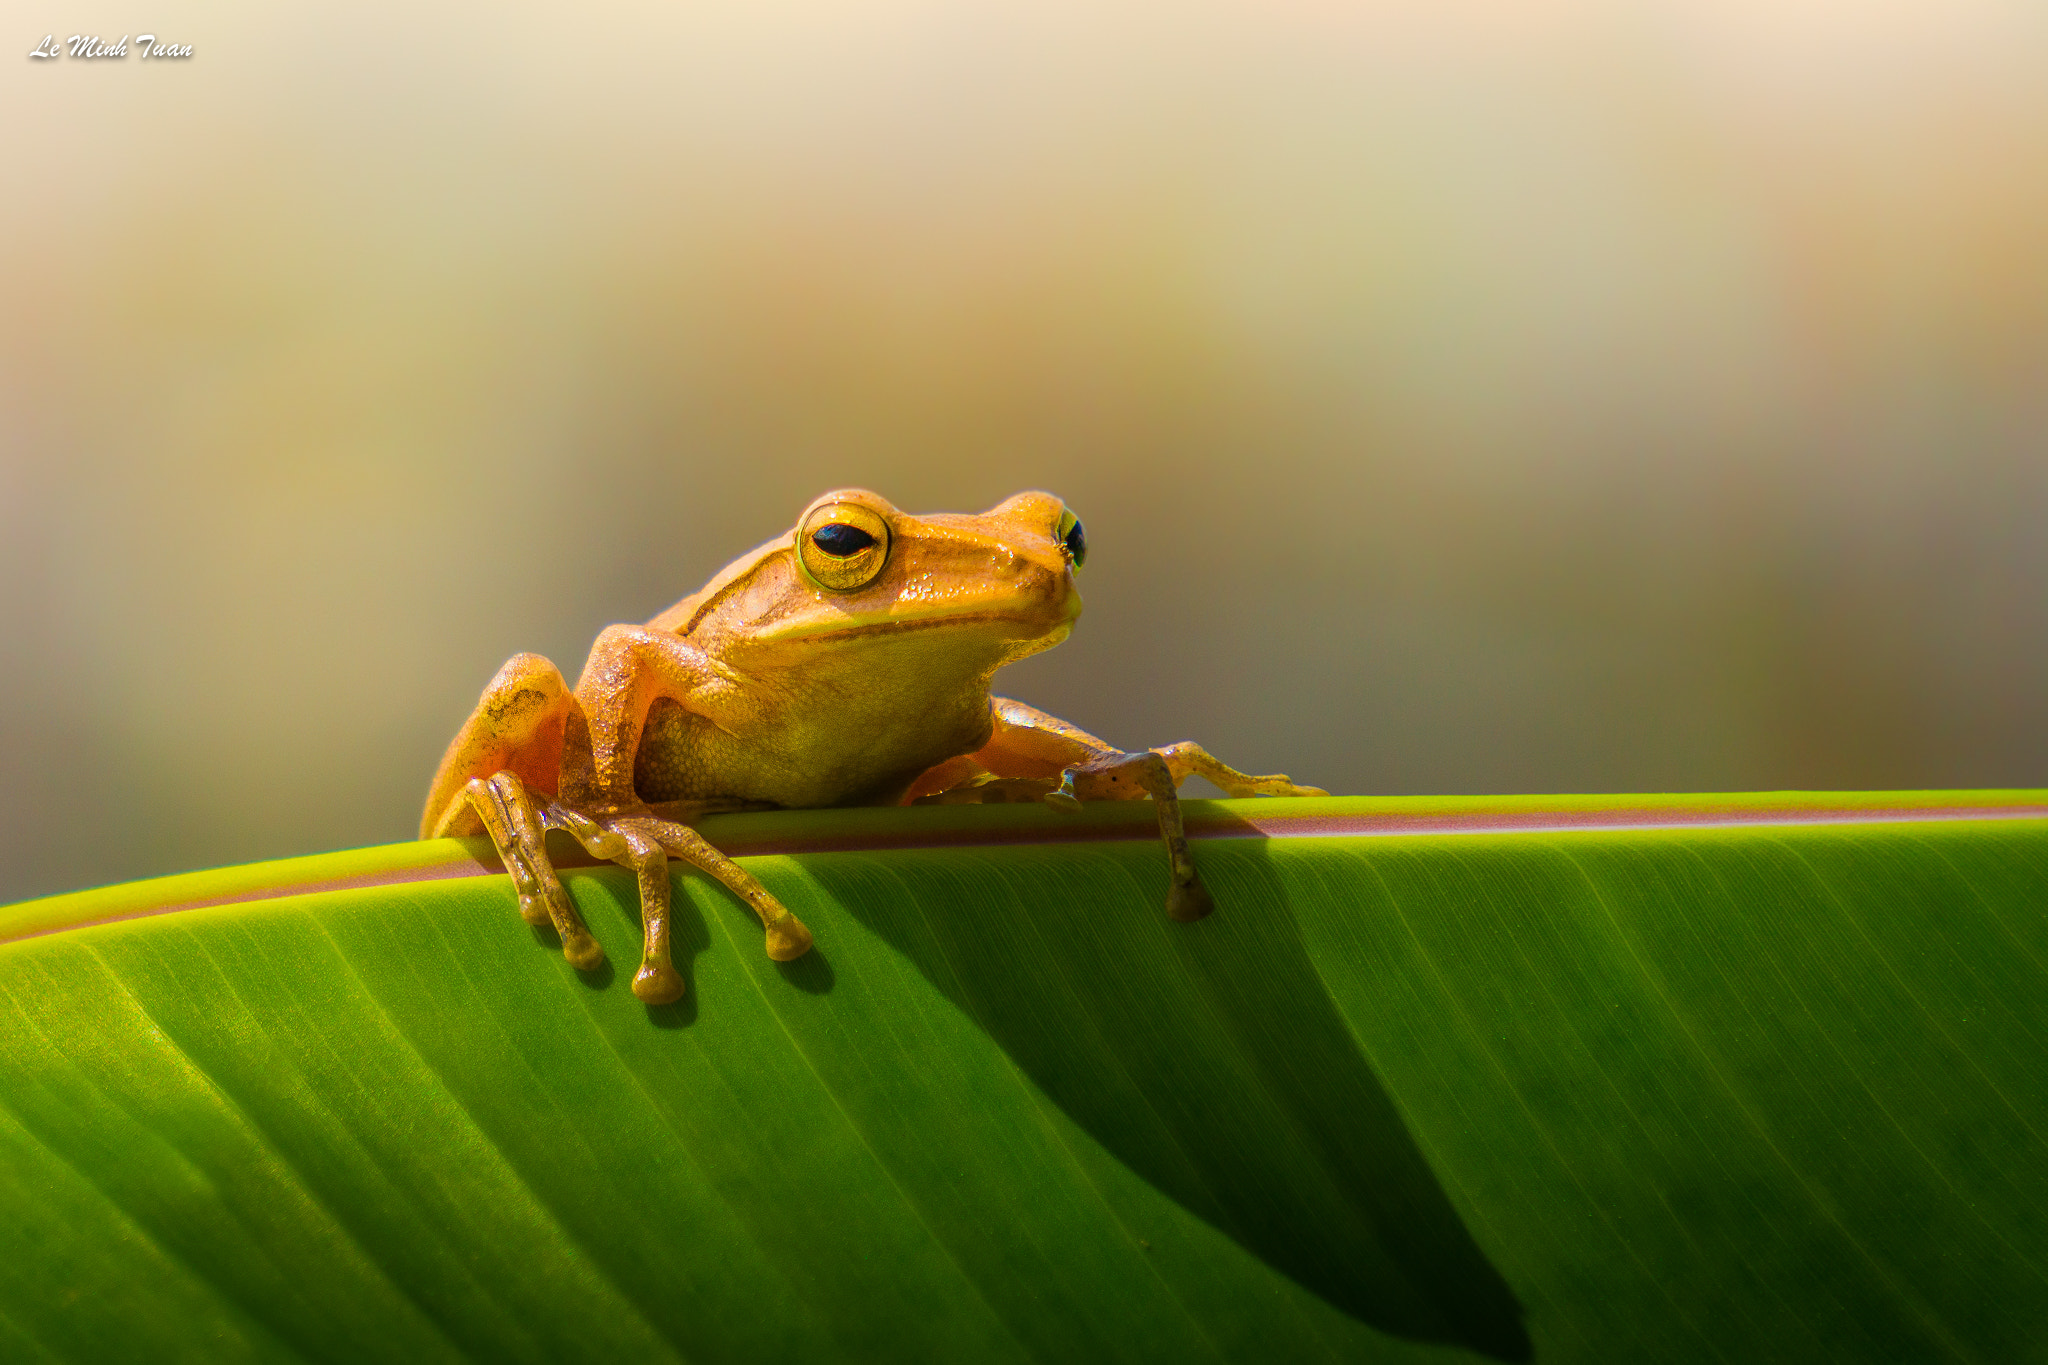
(1042,586)
(1072,605)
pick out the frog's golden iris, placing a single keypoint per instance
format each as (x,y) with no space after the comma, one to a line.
(842,546)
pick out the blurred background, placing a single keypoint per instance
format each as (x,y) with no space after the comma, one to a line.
(1461,397)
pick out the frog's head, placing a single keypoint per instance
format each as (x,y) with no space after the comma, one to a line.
(985,590)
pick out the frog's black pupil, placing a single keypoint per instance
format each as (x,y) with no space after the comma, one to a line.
(1077,544)
(840,540)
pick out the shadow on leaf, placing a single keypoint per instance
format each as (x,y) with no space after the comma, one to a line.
(1210,1060)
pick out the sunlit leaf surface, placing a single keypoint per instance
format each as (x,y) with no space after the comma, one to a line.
(1589,1079)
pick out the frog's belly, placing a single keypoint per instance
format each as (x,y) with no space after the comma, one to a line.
(856,760)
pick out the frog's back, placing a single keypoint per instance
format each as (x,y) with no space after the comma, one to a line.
(684,615)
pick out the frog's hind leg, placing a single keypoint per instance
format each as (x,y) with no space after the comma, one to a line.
(644,843)
(1026,745)
(1158,773)
(514,738)
(517,727)
(1113,776)
(1071,766)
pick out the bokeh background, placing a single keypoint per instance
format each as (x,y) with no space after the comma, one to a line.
(1461,397)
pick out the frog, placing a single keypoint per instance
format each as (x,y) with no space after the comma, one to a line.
(849,661)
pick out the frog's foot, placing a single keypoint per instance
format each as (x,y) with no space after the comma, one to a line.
(644,843)
(787,939)
(1125,777)
(1187,757)
(508,816)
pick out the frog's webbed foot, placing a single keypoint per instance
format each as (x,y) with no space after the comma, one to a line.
(644,843)
(508,816)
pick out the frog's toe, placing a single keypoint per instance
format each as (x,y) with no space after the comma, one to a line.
(657,983)
(585,953)
(1188,903)
(534,909)
(554,906)
(1277,784)
(788,939)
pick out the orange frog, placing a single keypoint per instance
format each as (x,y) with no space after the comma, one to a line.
(846,662)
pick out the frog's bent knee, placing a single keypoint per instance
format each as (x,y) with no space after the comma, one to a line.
(788,940)
(657,983)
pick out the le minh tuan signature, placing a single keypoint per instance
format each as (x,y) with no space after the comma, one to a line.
(146,47)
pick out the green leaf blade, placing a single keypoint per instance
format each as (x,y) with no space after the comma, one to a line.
(1600,1079)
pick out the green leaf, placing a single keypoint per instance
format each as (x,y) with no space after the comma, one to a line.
(1596,1079)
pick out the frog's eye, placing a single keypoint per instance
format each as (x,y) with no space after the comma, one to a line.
(1073,538)
(842,546)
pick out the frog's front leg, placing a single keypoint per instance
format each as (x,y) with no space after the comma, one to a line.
(630,668)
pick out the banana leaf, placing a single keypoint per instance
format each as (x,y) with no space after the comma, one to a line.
(1585,1078)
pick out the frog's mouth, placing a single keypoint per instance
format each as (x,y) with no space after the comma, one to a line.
(1009,626)
(1023,617)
